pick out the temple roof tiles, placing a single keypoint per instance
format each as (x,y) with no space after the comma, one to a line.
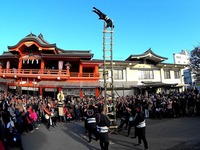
(61,51)
(7,55)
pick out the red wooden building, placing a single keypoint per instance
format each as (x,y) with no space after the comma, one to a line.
(34,66)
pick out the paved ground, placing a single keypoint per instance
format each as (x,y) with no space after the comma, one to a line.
(171,134)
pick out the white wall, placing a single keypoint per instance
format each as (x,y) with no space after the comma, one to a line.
(131,73)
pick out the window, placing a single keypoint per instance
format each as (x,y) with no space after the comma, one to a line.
(167,74)
(101,74)
(146,74)
(118,74)
(176,74)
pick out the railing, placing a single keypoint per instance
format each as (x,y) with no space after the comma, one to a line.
(45,71)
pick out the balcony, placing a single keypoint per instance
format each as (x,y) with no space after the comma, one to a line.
(46,74)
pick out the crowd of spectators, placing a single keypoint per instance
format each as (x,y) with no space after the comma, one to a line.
(21,113)
(157,106)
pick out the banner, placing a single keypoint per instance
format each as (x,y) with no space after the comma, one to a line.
(8,65)
(60,65)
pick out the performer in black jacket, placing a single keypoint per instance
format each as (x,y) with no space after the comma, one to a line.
(104,17)
(140,127)
(125,116)
(91,123)
(131,110)
(103,124)
(12,137)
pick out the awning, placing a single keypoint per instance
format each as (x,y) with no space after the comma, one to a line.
(51,83)
(122,84)
(181,85)
(156,84)
(125,84)
(66,84)
(3,80)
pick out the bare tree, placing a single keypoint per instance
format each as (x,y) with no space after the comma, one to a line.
(195,63)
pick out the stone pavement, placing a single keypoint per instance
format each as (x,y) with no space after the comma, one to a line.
(166,134)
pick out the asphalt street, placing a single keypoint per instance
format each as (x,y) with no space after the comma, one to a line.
(171,134)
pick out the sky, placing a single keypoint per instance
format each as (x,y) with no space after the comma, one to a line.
(165,26)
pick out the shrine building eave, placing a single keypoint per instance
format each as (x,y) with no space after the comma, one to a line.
(86,54)
(61,51)
(8,55)
(31,38)
(174,66)
(118,62)
(149,54)
(91,62)
(68,55)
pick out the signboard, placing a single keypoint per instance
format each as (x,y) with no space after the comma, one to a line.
(12,87)
(74,92)
(60,65)
(90,92)
(30,88)
(50,89)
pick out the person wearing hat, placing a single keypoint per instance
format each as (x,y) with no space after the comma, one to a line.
(140,127)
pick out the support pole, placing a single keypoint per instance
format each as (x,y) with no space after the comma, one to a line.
(108,63)
(112,74)
(104,64)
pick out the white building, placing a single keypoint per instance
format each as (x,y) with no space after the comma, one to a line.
(182,58)
(145,73)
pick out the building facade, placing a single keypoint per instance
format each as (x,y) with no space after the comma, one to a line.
(184,58)
(34,66)
(145,73)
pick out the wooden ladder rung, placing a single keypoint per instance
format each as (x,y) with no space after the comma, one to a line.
(111,120)
(110,113)
(113,127)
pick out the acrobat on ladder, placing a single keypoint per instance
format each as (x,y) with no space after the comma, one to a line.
(108,31)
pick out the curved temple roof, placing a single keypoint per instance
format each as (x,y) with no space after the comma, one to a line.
(32,37)
(41,42)
(149,54)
